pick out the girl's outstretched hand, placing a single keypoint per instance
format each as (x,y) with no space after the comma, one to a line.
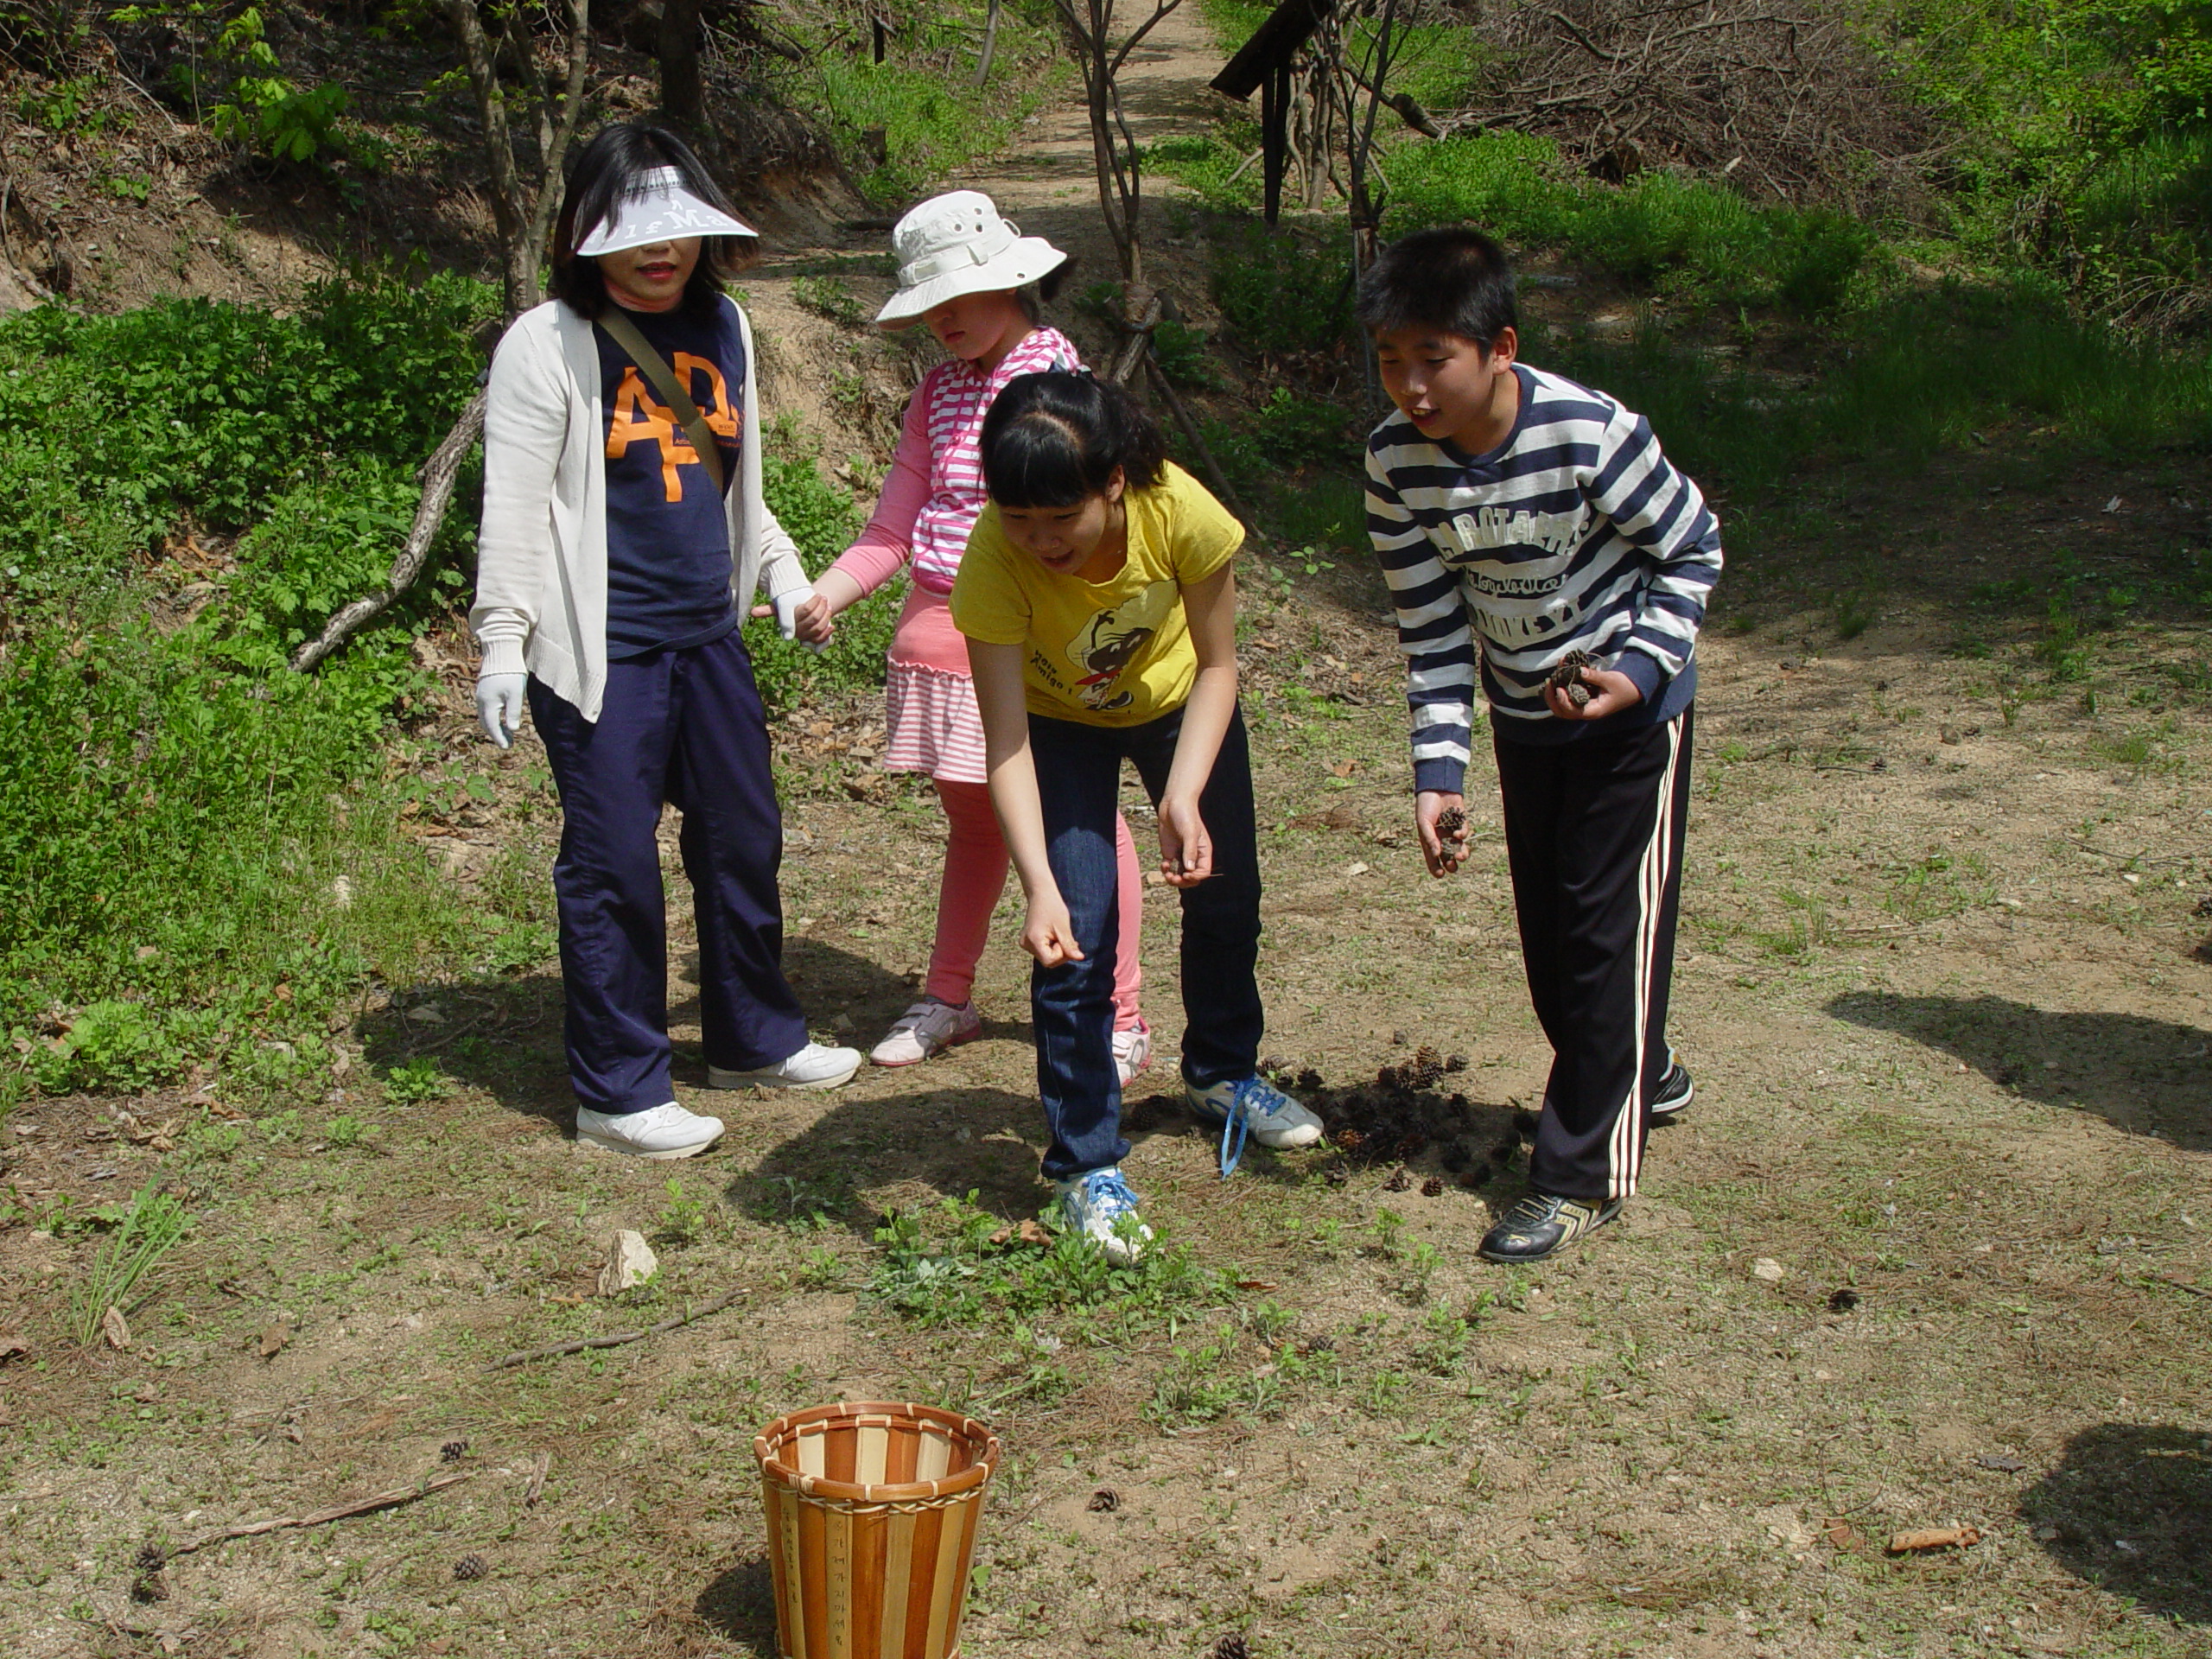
(1185,848)
(1049,934)
(812,623)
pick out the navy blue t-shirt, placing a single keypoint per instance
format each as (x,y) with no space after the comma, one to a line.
(668,560)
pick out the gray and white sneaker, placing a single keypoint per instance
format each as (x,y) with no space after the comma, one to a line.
(812,1067)
(659,1132)
(1255,1107)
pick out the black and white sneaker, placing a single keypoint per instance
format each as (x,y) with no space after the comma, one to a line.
(1542,1224)
(1676,1092)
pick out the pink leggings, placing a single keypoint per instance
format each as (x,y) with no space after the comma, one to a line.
(974,873)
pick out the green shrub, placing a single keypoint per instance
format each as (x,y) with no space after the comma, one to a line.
(1660,230)
(110,1048)
(1279,291)
(192,406)
(823,520)
(174,803)
(1293,431)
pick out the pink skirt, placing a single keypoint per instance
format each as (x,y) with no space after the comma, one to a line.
(933,724)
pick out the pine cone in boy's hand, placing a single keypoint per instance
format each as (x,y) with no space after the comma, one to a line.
(1451,832)
(1567,677)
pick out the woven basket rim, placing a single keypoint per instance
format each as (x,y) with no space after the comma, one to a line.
(772,1439)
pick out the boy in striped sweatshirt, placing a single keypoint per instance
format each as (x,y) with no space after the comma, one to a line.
(1520,518)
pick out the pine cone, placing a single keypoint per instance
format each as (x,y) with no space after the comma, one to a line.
(469,1568)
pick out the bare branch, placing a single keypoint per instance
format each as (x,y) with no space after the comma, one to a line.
(438,475)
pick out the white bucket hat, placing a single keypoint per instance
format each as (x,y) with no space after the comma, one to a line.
(957,243)
(661,209)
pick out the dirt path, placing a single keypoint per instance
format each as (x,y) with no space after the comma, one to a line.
(1164,92)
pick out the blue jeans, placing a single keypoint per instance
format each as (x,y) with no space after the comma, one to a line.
(684,728)
(1079,780)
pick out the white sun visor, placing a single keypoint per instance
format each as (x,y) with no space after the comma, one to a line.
(662,209)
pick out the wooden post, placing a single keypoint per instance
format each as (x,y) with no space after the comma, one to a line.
(1274,135)
(875,26)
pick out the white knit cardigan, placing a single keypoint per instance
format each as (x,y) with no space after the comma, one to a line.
(541,556)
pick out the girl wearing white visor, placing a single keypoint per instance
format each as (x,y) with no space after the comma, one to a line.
(969,276)
(623,536)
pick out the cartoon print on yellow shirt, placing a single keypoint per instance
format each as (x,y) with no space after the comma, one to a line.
(1111,641)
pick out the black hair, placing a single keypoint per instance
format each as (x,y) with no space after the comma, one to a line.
(1053,439)
(1033,297)
(1452,279)
(614,165)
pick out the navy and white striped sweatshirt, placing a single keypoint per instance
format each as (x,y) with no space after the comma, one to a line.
(1574,532)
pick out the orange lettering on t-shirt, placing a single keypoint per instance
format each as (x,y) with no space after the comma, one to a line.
(638,419)
(720,421)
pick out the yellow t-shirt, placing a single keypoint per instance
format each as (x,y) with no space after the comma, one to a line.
(1112,654)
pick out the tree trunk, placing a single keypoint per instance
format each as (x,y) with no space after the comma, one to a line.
(682,91)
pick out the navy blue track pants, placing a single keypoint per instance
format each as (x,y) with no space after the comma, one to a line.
(685,728)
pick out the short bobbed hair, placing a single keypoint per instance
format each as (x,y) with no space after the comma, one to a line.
(1451,279)
(613,165)
(1053,439)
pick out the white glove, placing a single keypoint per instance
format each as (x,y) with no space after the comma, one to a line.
(501,699)
(786,608)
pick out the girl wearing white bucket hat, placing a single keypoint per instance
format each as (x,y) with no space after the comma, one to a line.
(623,534)
(967,274)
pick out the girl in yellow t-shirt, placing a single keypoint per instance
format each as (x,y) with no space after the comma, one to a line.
(1100,606)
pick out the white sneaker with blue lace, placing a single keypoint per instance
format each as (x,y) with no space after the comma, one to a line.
(1255,1107)
(1099,1205)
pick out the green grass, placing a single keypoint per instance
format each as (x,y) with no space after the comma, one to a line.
(922,99)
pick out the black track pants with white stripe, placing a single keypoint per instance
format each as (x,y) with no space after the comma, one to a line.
(1593,832)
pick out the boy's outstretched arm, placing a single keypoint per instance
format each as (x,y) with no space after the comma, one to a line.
(1662,511)
(1049,933)
(1438,643)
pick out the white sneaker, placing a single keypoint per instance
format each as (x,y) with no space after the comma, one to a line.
(1132,1051)
(926,1030)
(664,1132)
(1099,1205)
(812,1067)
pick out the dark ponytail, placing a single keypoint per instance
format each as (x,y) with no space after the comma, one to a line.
(1053,439)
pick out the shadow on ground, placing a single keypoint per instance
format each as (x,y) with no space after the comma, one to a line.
(504,1036)
(739,1604)
(2143,1075)
(906,1149)
(2129,1508)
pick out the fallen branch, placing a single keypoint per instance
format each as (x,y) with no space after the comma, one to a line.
(438,475)
(389,1500)
(523,1355)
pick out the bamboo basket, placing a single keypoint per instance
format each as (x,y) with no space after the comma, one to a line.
(873,1510)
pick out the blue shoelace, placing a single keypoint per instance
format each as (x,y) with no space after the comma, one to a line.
(1239,1124)
(1108,1184)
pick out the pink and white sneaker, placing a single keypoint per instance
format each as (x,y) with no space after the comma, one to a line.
(1132,1051)
(926,1030)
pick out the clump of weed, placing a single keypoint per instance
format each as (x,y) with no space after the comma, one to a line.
(149,1230)
(954,1264)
